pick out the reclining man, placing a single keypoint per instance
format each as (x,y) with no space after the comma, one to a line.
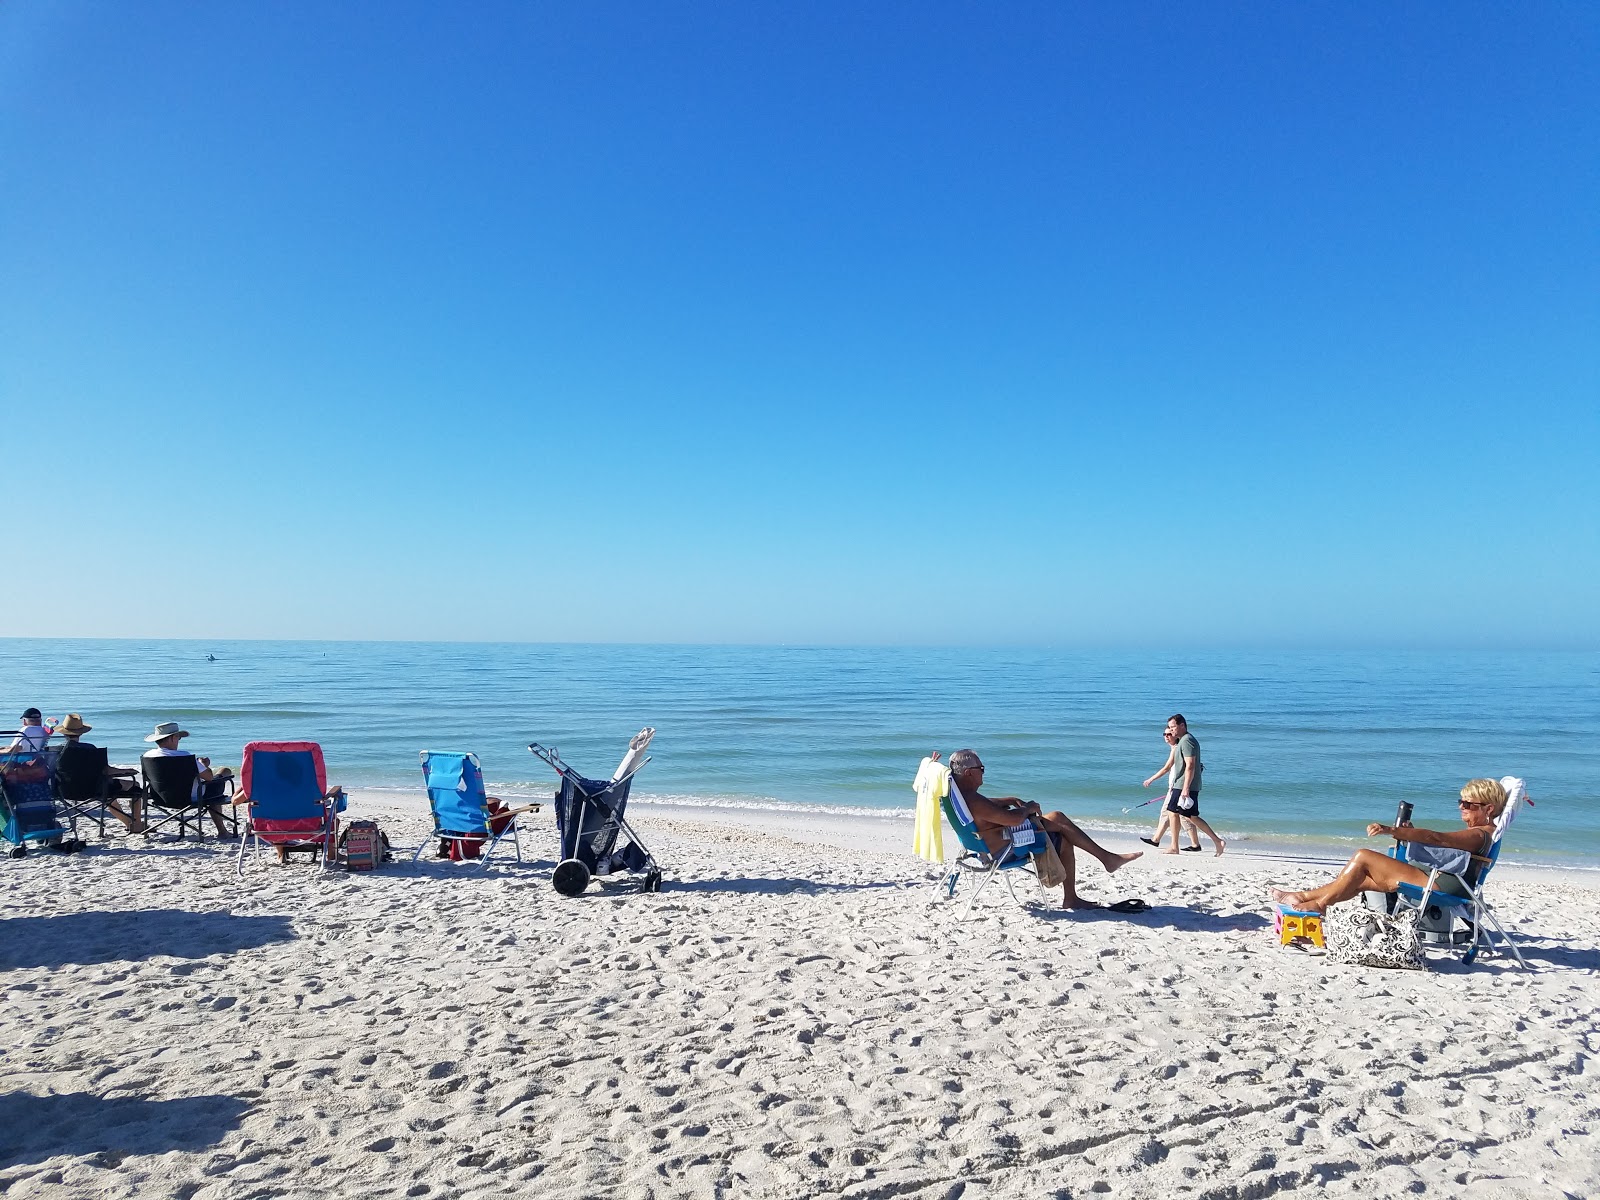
(995,816)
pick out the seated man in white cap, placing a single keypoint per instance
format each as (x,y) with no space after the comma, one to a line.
(208,789)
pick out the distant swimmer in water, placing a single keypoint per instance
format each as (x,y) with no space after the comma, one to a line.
(211,658)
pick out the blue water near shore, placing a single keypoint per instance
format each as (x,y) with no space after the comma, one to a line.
(1299,746)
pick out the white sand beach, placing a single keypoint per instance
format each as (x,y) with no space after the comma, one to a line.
(799,1013)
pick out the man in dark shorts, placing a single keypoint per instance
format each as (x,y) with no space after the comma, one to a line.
(1183,801)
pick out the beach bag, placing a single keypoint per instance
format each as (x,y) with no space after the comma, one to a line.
(460,847)
(31,770)
(1358,937)
(365,846)
(500,817)
(1048,866)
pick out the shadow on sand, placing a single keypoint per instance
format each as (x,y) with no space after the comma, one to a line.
(1168,916)
(39,1128)
(762,885)
(101,937)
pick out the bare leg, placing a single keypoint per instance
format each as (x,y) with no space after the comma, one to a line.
(1210,833)
(1069,889)
(1194,834)
(1176,825)
(1161,827)
(216,819)
(1367,871)
(1110,860)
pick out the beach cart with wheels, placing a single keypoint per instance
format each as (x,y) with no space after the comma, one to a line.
(591,816)
(29,815)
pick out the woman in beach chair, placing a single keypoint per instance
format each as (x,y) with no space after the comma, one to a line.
(996,818)
(291,805)
(1457,852)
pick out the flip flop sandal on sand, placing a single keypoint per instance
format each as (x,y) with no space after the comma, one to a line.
(1133,905)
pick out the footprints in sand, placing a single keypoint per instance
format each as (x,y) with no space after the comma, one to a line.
(828,1039)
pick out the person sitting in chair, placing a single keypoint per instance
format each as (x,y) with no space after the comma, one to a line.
(995,816)
(1482,801)
(208,787)
(32,737)
(121,782)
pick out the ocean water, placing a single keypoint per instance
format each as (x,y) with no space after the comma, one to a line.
(1306,747)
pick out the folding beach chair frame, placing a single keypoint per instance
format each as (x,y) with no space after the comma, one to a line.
(514,829)
(573,830)
(62,836)
(325,840)
(976,856)
(93,809)
(1455,894)
(196,809)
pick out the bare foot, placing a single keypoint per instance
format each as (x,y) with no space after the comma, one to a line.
(1169,852)
(1220,845)
(1078,902)
(1291,900)
(1118,861)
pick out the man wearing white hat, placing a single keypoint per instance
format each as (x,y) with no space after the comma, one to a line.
(207,786)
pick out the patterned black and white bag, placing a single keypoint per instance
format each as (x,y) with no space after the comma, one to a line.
(1356,936)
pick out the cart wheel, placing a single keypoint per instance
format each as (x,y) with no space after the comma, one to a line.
(1471,956)
(652,882)
(19,852)
(571,877)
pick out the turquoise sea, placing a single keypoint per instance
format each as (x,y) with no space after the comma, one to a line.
(1298,746)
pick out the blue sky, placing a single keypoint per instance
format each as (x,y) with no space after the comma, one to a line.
(1154,325)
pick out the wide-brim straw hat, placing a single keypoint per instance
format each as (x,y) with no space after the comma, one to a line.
(165,730)
(72,726)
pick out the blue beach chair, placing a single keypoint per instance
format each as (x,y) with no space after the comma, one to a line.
(291,805)
(461,810)
(590,815)
(976,856)
(1460,897)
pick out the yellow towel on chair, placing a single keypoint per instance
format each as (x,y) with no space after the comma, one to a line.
(932,785)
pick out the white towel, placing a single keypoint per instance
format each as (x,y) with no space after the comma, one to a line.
(1516,797)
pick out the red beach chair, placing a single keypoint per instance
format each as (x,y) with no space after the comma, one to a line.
(291,805)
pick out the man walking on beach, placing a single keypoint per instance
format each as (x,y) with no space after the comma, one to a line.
(995,817)
(1183,801)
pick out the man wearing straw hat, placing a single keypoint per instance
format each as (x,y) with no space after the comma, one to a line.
(207,786)
(121,784)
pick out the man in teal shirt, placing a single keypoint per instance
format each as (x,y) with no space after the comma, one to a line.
(1183,801)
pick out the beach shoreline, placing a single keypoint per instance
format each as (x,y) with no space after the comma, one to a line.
(889,833)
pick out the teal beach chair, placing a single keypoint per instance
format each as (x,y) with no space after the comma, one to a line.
(976,857)
(1461,898)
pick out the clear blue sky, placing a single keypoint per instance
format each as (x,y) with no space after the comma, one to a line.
(1051,323)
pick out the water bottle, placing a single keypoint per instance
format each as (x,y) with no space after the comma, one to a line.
(1402,815)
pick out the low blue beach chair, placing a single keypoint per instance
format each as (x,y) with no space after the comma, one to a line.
(29,815)
(1460,897)
(975,856)
(462,813)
